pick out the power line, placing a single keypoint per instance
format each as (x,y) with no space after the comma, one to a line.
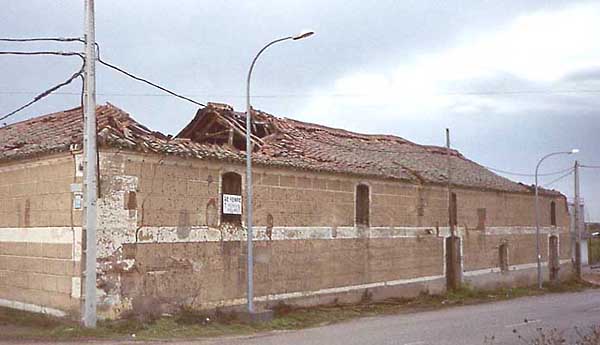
(42,53)
(590,166)
(149,82)
(44,94)
(78,39)
(44,39)
(280,95)
(527,175)
(50,90)
(77,74)
(559,178)
(131,75)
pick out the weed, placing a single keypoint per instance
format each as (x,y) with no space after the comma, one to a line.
(190,323)
(552,336)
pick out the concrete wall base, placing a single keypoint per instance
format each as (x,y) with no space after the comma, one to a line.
(381,293)
(517,278)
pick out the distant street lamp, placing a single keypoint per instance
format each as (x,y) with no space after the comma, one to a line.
(250,257)
(537,213)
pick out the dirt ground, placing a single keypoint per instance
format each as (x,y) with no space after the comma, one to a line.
(17,327)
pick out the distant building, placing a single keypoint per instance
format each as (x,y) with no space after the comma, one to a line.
(592,237)
(584,233)
(339,215)
(592,229)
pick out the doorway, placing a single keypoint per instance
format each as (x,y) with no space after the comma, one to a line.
(553,263)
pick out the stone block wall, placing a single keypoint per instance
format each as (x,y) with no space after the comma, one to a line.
(37,193)
(209,274)
(481,250)
(174,191)
(40,236)
(161,238)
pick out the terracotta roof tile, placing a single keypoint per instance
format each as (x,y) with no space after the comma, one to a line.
(291,144)
(56,132)
(317,147)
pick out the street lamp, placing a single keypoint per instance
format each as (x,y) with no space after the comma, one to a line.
(250,258)
(537,213)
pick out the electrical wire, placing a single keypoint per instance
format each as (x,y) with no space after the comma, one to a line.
(270,96)
(39,39)
(44,94)
(559,178)
(53,88)
(527,175)
(79,73)
(42,53)
(590,166)
(131,75)
(118,69)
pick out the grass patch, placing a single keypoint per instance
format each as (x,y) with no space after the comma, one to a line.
(193,324)
(17,317)
(594,250)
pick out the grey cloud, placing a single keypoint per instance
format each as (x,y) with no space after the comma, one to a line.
(204,48)
(583,75)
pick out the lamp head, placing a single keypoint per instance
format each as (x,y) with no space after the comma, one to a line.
(574,151)
(303,34)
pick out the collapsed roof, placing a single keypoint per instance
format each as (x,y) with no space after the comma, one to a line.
(218,132)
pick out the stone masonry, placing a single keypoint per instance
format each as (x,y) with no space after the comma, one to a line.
(163,242)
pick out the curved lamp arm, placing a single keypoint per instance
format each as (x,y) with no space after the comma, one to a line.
(252,67)
(295,38)
(537,167)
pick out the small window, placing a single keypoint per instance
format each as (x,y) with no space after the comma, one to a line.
(481,215)
(231,185)
(130,200)
(503,256)
(553,213)
(453,210)
(421,206)
(362,205)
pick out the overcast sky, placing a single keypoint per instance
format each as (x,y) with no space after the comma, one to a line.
(513,80)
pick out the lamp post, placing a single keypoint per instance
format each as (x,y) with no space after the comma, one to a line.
(537,213)
(250,258)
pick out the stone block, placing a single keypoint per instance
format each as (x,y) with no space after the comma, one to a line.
(287,181)
(57,250)
(269,179)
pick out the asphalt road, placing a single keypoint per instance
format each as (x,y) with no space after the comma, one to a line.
(461,325)
(457,326)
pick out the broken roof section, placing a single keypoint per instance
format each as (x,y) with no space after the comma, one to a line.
(217,132)
(315,147)
(57,132)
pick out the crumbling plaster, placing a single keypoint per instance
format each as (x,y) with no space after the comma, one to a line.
(119,225)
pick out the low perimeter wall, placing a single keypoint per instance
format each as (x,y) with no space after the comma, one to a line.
(305,271)
(213,274)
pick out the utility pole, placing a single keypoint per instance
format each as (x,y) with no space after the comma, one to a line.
(576,217)
(454,269)
(90,183)
(449,173)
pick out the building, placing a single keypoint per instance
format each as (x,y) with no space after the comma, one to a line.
(591,235)
(339,216)
(583,243)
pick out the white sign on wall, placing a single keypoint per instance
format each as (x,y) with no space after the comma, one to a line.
(232,204)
